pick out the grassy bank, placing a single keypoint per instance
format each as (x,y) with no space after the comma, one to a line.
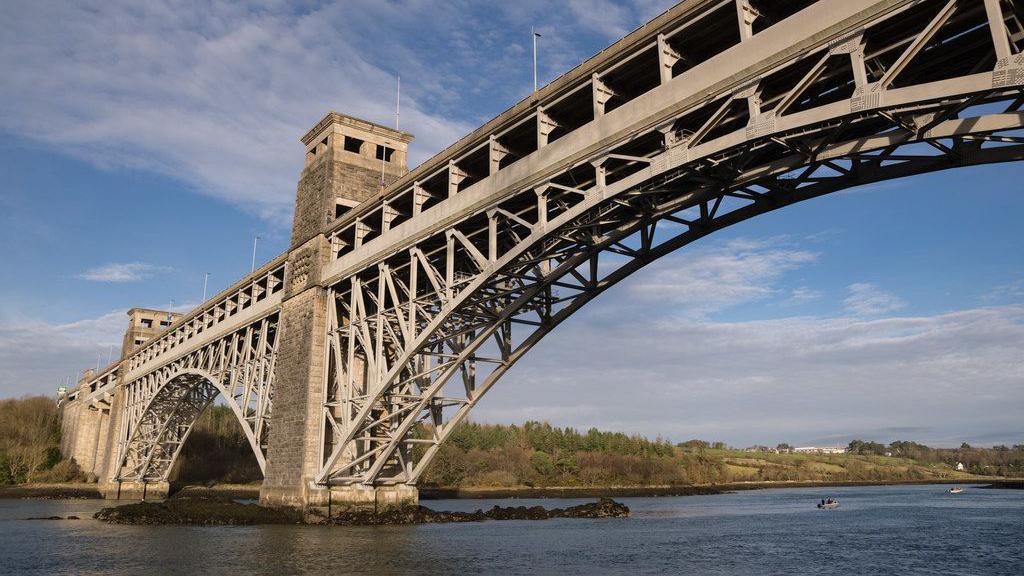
(538,455)
(533,459)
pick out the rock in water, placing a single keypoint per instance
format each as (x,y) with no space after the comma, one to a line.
(202,511)
(603,508)
(205,511)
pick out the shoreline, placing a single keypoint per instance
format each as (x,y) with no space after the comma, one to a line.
(87,491)
(434,493)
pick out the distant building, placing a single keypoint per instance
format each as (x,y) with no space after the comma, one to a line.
(960,466)
(819,450)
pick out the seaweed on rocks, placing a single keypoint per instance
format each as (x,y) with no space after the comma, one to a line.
(207,511)
(201,511)
(603,508)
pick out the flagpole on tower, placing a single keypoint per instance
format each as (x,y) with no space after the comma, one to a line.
(536,35)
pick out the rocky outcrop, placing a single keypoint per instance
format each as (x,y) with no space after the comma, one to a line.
(603,508)
(203,511)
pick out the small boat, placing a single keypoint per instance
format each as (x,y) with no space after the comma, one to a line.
(828,505)
(955,490)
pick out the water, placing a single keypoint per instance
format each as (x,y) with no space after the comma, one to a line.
(877,530)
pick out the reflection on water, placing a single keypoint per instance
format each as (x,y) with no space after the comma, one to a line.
(902,530)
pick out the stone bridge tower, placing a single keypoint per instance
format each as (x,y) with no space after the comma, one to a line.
(348,161)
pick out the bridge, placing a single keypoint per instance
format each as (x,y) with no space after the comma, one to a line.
(405,296)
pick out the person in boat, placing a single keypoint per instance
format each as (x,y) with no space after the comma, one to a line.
(822,501)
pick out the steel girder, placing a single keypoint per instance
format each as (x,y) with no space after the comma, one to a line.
(417,337)
(162,406)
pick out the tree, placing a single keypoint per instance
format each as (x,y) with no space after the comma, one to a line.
(695,444)
(865,447)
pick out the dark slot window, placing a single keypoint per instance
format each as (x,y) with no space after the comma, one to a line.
(353,145)
(384,153)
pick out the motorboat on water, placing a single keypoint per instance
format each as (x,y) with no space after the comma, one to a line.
(829,504)
(955,490)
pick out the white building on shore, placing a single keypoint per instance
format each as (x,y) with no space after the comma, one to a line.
(817,450)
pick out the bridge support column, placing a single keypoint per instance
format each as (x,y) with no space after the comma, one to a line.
(375,497)
(347,162)
(116,490)
(294,451)
(112,441)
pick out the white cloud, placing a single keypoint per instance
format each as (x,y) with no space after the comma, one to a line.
(864,299)
(954,376)
(36,357)
(215,94)
(715,277)
(803,294)
(122,272)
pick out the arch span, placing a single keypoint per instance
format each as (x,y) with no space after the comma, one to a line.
(168,419)
(500,310)
(161,406)
(419,336)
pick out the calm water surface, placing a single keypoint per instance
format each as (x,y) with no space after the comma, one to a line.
(877,530)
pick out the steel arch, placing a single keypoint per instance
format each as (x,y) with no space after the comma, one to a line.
(162,406)
(407,325)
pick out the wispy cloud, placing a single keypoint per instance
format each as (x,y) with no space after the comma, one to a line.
(214,94)
(1005,293)
(709,279)
(611,19)
(123,272)
(955,375)
(802,295)
(865,299)
(38,356)
(217,94)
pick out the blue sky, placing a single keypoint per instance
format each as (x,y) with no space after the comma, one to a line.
(144,145)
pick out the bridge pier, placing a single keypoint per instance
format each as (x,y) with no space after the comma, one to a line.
(340,497)
(348,161)
(119,490)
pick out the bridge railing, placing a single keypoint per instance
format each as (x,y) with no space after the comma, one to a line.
(216,315)
(99,388)
(643,60)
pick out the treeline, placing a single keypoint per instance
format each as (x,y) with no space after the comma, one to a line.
(538,454)
(999,460)
(217,450)
(534,454)
(30,442)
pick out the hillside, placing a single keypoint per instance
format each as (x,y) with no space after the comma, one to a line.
(539,455)
(534,454)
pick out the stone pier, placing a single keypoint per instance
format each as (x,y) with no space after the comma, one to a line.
(345,165)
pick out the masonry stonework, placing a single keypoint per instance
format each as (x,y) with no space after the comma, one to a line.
(348,161)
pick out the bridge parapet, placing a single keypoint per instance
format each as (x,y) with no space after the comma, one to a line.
(247,300)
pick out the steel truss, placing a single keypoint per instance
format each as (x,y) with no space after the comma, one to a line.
(415,340)
(162,406)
